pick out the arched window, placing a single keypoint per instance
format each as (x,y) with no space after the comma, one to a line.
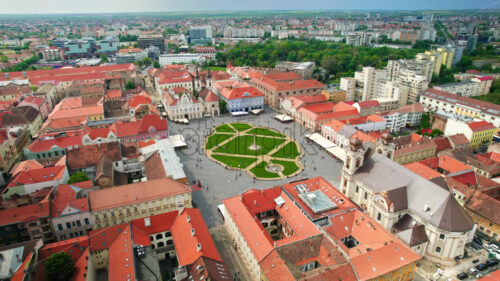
(379,217)
(438,249)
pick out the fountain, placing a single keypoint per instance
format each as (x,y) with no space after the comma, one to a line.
(254,145)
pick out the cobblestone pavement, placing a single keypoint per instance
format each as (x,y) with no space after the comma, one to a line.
(229,255)
(219,183)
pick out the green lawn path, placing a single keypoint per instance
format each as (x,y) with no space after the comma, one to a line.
(224,129)
(215,139)
(290,167)
(265,132)
(241,126)
(234,161)
(260,171)
(240,145)
(289,151)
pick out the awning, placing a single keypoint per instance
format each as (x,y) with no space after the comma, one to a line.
(239,113)
(283,118)
(256,111)
(177,141)
(329,146)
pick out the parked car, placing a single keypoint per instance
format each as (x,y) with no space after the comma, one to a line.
(479,275)
(491,263)
(481,267)
(462,276)
(487,247)
(475,261)
(493,246)
(472,271)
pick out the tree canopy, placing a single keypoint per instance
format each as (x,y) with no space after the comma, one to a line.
(78,177)
(59,267)
(339,60)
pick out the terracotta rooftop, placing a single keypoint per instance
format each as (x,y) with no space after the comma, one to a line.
(378,252)
(135,193)
(45,144)
(89,155)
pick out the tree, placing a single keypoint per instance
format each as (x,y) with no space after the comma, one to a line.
(4,59)
(130,85)
(222,106)
(146,61)
(59,267)
(156,64)
(104,58)
(78,177)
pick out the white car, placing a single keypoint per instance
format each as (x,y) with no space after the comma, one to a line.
(472,271)
(495,247)
(487,247)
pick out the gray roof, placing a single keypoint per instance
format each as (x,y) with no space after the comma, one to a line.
(347,131)
(413,236)
(426,199)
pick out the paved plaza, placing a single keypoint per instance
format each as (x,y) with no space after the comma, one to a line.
(219,183)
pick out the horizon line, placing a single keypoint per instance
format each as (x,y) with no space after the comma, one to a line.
(255,10)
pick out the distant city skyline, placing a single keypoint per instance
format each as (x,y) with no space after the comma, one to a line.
(100,6)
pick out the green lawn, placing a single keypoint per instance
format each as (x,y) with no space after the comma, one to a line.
(241,126)
(240,145)
(234,161)
(265,132)
(289,151)
(215,139)
(289,166)
(224,129)
(260,171)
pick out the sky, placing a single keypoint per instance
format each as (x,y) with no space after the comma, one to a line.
(113,6)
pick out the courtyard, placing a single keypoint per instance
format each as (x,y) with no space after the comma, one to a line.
(219,182)
(263,153)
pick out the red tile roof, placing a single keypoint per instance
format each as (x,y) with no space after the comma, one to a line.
(70,74)
(103,238)
(139,99)
(114,94)
(121,257)
(368,103)
(158,223)
(26,165)
(243,92)
(38,101)
(423,170)
(135,193)
(94,133)
(442,144)
(480,126)
(243,210)
(378,252)
(26,213)
(211,97)
(40,144)
(167,76)
(187,242)
(37,176)
(148,123)
(65,196)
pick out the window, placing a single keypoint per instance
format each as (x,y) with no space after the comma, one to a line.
(78,223)
(170,242)
(161,244)
(357,189)
(379,217)
(366,195)
(59,226)
(71,235)
(68,225)
(438,249)
(87,221)
(159,236)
